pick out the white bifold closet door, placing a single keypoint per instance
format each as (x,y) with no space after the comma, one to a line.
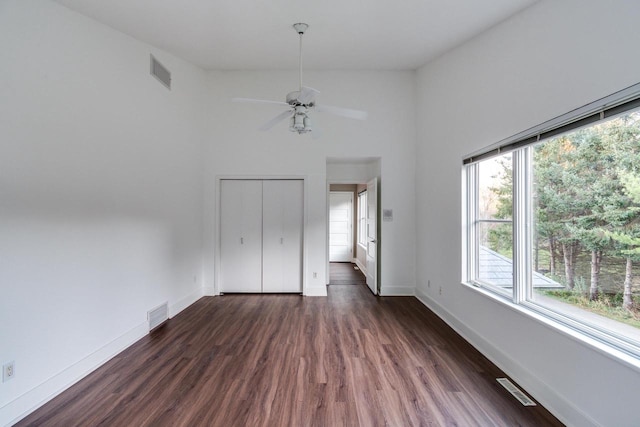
(282,235)
(261,235)
(241,235)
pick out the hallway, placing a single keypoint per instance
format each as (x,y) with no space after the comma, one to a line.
(345,273)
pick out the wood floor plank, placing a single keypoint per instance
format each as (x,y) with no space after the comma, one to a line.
(284,360)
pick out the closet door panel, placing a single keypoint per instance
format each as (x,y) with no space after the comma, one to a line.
(282,235)
(241,236)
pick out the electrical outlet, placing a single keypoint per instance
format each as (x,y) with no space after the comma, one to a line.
(440,290)
(315,275)
(8,371)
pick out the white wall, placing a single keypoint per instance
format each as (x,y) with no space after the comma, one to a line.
(100,195)
(236,148)
(546,61)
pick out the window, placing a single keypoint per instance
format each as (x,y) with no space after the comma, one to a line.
(362,218)
(554,224)
(493,226)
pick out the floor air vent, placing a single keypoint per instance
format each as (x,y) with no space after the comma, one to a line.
(158,316)
(160,72)
(516,392)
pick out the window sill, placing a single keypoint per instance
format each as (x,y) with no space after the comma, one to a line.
(537,313)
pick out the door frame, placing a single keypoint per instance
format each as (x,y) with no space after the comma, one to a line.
(218,241)
(379,225)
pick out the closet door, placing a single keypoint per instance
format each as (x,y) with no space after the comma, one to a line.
(241,236)
(282,222)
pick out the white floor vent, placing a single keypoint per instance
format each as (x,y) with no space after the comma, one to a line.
(158,316)
(516,392)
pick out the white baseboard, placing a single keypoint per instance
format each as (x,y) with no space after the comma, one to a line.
(557,404)
(318,291)
(185,302)
(360,266)
(397,291)
(19,408)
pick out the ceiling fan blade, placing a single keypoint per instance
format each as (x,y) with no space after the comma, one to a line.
(271,123)
(344,112)
(307,94)
(259,101)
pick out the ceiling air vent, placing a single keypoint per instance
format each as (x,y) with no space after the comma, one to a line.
(160,72)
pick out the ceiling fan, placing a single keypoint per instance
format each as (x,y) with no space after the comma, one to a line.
(301,101)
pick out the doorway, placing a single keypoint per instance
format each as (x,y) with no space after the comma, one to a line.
(353,234)
(365,174)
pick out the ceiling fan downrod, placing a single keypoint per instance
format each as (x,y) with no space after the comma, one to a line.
(300,29)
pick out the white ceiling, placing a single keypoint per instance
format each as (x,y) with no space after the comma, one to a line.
(343,34)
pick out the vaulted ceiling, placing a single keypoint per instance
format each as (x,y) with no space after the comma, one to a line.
(343,34)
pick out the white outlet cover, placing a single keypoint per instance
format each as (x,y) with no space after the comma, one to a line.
(8,371)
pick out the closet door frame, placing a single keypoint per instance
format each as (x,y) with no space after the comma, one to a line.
(218,210)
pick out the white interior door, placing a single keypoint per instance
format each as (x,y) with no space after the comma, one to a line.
(372,235)
(340,226)
(241,236)
(282,222)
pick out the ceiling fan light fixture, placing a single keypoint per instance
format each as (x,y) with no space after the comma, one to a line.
(301,101)
(300,123)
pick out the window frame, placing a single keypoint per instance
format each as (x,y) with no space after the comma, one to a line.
(474,230)
(521,148)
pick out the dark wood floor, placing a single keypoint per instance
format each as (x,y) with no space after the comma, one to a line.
(282,360)
(345,273)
